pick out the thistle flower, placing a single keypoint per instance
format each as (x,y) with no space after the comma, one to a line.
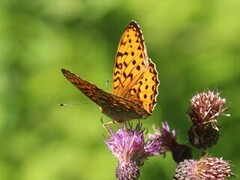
(206,107)
(204,110)
(168,141)
(207,168)
(129,146)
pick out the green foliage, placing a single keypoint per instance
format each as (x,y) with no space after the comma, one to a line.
(195,45)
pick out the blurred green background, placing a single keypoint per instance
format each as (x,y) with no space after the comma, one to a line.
(195,44)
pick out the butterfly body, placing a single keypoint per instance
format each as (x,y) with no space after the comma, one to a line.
(135,80)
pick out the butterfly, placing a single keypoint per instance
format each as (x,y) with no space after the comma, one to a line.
(135,80)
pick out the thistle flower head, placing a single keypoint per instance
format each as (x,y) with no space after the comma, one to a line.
(205,168)
(204,110)
(126,144)
(206,107)
(129,146)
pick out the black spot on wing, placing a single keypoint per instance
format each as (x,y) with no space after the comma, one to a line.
(138,68)
(122,54)
(118,65)
(125,64)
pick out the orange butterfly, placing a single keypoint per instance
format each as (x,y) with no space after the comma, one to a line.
(135,80)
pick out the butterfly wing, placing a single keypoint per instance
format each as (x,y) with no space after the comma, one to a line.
(85,87)
(131,60)
(135,76)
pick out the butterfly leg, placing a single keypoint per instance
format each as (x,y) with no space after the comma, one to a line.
(105,125)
